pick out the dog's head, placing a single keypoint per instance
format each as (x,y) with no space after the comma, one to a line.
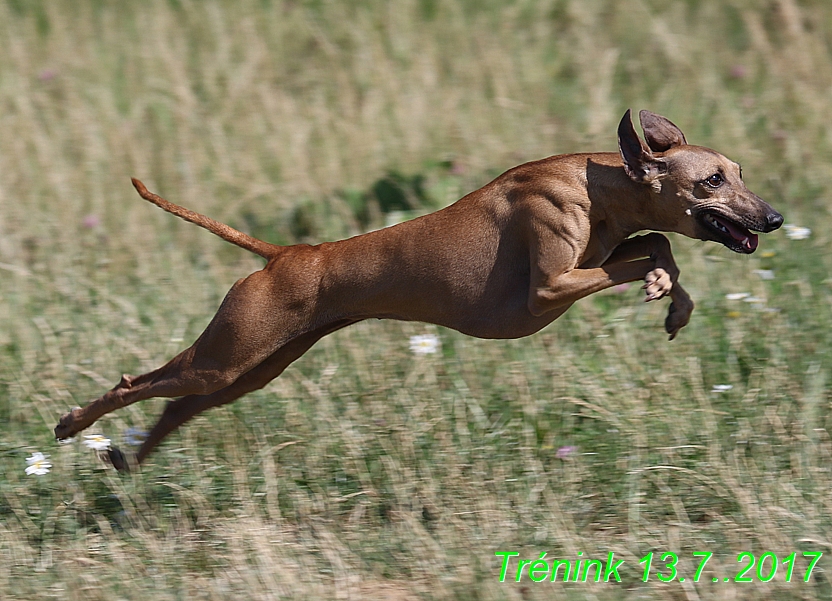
(701,191)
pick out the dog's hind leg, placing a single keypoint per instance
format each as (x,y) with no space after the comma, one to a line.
(259,315)
(178,411)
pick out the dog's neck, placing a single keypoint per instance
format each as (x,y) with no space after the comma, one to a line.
(630,207)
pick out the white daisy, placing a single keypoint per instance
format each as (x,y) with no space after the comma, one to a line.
(426,344)
(797,232)
(736,296)
(722,387)
(38,465)
(97,442)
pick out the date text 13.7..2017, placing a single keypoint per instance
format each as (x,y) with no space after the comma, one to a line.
(582,569)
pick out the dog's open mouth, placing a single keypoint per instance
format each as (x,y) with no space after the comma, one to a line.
(733,235)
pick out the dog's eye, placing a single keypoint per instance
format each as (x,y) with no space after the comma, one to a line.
(715,181)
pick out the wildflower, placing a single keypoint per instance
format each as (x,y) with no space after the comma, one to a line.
(91,222)
(621,288)
(796,232)
(426,344)
(134,436)
(97,442)
(765,274)
(767,254)
(733,296)
(722,387)
(66,440)
(739,72)
(565,452)
(754,300)
(38,465)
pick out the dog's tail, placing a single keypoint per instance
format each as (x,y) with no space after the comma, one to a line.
(228,233)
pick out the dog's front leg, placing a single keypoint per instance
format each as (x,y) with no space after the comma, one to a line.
(549,291)
(678,315)
(557,292)
(662,280)
(659,281)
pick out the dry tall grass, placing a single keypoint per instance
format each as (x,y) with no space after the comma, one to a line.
(364,472)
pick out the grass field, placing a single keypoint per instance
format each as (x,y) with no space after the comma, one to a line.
(365,471)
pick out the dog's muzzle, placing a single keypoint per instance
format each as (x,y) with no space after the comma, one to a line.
(739,236)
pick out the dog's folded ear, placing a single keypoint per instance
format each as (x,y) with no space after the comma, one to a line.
(639,162)
(661,134)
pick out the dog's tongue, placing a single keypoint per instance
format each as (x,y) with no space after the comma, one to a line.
(741,235)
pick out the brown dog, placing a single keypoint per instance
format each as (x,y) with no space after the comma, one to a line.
(502,262)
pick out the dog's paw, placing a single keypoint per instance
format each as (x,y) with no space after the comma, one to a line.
(66,426)
(657,284)
(678,316)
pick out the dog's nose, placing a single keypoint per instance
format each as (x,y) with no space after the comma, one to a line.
(774,220)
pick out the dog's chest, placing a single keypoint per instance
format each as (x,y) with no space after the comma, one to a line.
(600,245)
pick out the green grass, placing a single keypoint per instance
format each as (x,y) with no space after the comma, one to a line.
(364,472)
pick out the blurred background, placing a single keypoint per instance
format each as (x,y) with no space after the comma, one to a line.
(370,470)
